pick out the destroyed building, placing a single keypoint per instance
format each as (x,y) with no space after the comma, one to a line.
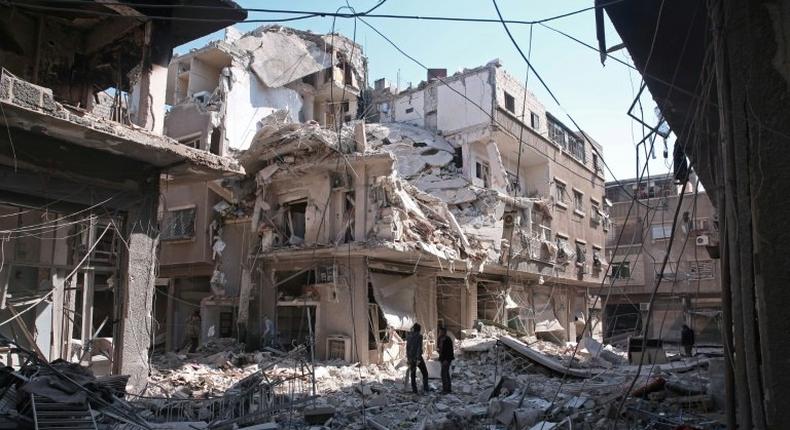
(348,235)
(82,100)
(219,93)
(690,291)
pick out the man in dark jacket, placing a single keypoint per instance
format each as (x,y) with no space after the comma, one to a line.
(414,355)
(446,357)
(687,339)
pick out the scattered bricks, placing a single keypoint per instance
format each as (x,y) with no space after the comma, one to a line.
(27,95)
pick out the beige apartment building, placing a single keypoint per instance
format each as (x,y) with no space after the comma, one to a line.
(347,236)
(689,292)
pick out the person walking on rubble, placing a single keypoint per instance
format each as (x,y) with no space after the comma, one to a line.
(268,332)
(414,355)
(687,339)
(193,331)
(446,357)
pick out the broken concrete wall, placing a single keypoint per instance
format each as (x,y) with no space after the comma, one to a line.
(506,83)
(455,112)
(409,109)
(185,122)
(249,101)
(332,301)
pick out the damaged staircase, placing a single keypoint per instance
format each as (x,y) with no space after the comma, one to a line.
(51,415)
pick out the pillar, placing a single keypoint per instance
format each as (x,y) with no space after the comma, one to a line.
(170,317)
(135,300)
(148,96)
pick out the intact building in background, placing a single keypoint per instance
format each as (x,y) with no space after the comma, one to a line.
(690,289)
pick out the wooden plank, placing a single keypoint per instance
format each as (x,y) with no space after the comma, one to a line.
(544,360)
(25,332)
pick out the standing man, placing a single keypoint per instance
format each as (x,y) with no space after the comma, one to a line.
(193,331)
(414,355)
(446,357)
(687,339)
(268,331)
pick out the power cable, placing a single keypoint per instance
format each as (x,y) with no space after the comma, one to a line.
(304,14)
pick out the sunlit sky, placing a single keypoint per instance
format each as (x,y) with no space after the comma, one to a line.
(596,96)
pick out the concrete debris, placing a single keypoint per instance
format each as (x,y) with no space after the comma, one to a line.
(495,386)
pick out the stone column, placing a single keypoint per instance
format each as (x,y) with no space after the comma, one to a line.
(135,298)
(148,95)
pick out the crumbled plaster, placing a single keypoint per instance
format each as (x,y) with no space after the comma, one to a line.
(423,203)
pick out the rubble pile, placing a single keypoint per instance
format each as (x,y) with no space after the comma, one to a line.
(495,386)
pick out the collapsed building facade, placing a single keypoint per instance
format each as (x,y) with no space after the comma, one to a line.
(348,234)
(219,94)
(690,291)
(81,171)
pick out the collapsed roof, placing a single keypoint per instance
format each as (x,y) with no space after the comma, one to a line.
(424,204)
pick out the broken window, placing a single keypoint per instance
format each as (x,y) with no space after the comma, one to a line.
(596,216)
(661,231)
(295,221)
(513,183)
(557,134)
(216,136)
(578,200)
(560,194)
(621,270)
(192,142)
(699,270)
(534,120)
(482,171)
(348,77)
(178,224)
(670,271)
(510,102)
(458,157)
(596,165)
(226,324)
(576,148)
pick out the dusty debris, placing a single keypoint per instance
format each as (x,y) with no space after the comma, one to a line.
(495,386)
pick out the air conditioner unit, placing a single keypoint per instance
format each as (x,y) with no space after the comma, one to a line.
(644,307)
(703,240)
(338,347)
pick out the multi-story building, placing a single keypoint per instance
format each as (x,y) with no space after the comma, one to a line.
(690,288)
(81,159)
(469,201)
(218,95)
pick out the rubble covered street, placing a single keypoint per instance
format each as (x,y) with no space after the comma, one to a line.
(495,386)
(220,217)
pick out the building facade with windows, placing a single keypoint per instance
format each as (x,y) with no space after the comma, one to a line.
(689,291)
(449,210)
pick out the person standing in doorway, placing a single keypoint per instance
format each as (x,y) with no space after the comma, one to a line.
(268,332)
(687,339)
(446,357)
(193,330)
(414,356)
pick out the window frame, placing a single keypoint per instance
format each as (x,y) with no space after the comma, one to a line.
(510,102)
(617,267)
(166,233)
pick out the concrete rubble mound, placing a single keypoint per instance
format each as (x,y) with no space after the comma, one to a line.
(501,380)
(426,204)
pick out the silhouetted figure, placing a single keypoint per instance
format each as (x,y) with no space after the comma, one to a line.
(414,355)
(687,339)
(446,357)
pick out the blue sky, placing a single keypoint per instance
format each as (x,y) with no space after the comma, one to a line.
(596,96)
